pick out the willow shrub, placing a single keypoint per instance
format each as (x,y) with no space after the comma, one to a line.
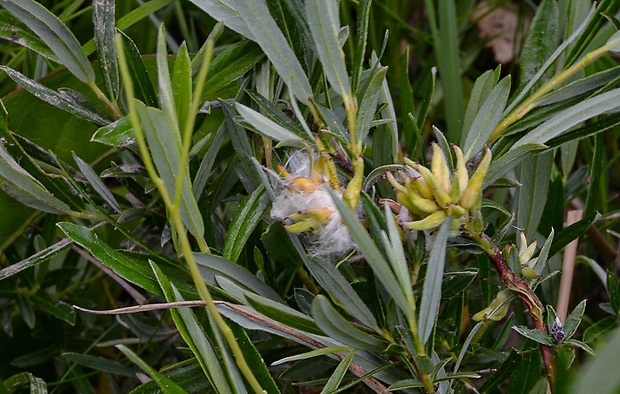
(256,214)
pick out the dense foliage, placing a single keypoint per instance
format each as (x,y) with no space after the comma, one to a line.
(309,195)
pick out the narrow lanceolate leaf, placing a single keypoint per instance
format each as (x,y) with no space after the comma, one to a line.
(224,11)
(244,222)
(608,102)
(166,385)
(535,335)
(166,95)
(488,116)
(103,21)
(372,254)
(53,97)
(182,82)
(165,144)
(334,381)
(541,40)
(37,258)
(23,187)
(97,184)
(324,23)
(99,364)
(431,292)
(143,86)
(502,164)
(268,35)
(55,34)
(338,328)
(534,175)
(129,269)
(268,127)
(368,104)
(13,30)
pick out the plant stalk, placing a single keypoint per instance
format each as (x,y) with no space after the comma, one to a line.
(175,216)
(523,291)
(522,109)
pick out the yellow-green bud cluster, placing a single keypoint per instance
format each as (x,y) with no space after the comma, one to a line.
(436,193)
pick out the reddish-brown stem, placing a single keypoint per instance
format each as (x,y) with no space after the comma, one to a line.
(525,292)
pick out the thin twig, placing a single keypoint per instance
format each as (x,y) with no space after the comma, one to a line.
(525,292)
(354,368)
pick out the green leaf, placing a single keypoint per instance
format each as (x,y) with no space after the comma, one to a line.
(504,163)
(166,385)
(339,329)
(324,23)
(166,93)
(396,255)
(535,335)
(599,330)
(276,114)
(225,12)
(53,97)
(117,134)
(607,102)
(55,34)
(13,30)
(268,127)
(541,41)
(104,31)
(193,334)
(486,119)
(22,186)
(255,361)
(534,175)
(613,289)
(99,364)
(231,65)
(143,87)
(478,95)
(97,184)
(405,384)
(129,269)
(363,15)
(37,258)
(165,144)
(269,37)
(574,319)
(570,233)
(245,220)
(212,266)
(373,256)
(282,314)
(56,308)
(368,104)
(182,82)
(26,310)
(336,377)
(581,86)
(311,354)
(431,292)
(596,171)
(543,256)
(336,286)
(580,345)
(527,375)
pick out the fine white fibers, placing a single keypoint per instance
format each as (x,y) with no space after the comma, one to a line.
(331,239)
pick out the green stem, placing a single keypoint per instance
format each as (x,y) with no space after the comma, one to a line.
(529,104)
(186,249)
(112,107)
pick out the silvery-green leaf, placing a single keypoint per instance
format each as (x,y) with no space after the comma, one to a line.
(55,34)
